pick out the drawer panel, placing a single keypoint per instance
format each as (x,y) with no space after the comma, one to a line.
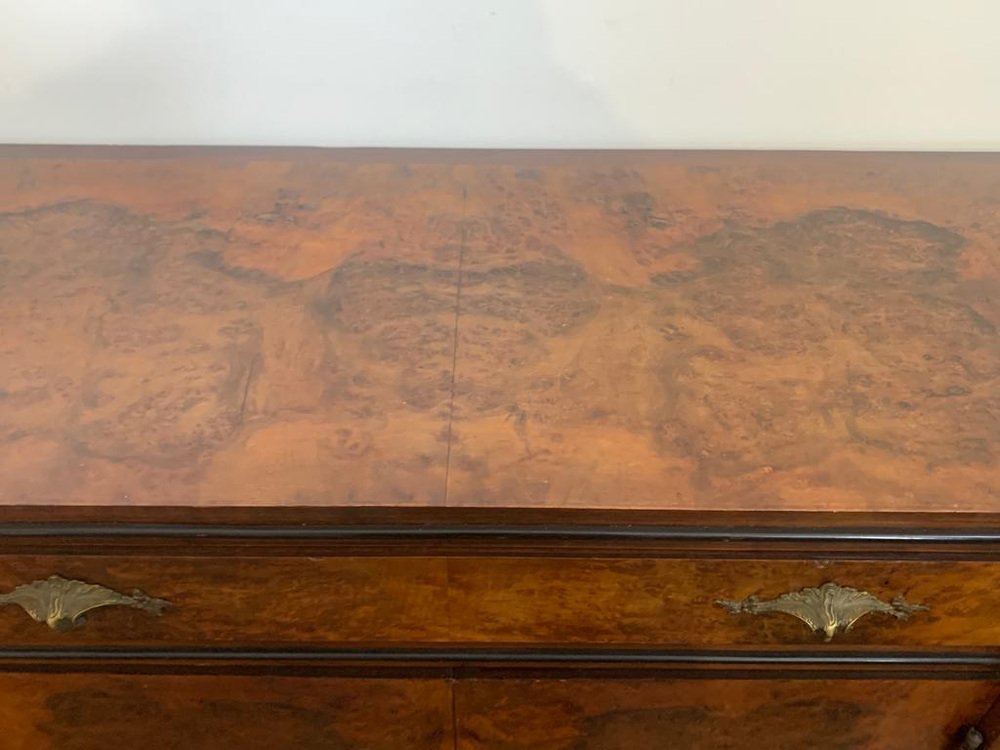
(730,714)
(247,601)
(540,601)
(670,602)
(170,712)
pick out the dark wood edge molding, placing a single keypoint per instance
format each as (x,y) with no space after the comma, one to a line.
(524,655)
(555,532)
(514,662)
(480,531)
(314,522)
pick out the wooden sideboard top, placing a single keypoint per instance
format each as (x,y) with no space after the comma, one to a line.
(673,330)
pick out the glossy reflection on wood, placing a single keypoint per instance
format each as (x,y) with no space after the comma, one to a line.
(88,712)
(660,330)
(723,714)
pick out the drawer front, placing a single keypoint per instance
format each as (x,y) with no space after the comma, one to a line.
(169,712)
(251,601)
(730,714)
(670,602)
(541,601)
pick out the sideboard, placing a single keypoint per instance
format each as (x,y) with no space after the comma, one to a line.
(499,450)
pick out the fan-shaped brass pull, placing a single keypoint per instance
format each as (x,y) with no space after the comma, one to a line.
(61,603)
(829,609)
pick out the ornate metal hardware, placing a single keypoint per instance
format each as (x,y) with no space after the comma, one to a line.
(61,603)
(829,609)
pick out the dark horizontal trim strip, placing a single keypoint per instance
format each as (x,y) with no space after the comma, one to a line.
(515,656)
(542,532)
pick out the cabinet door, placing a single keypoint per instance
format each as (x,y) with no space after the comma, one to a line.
(170,712)
(722,714)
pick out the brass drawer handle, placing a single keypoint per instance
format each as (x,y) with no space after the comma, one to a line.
(829,609)
(61,603)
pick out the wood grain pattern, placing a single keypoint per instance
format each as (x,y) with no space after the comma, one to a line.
(217,332)
(87,712)
(634,330)
(275,602)
(655,602)
(796,331)
(724,714)
(488,601)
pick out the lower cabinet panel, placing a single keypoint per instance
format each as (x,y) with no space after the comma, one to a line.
(717,714)
(114,712)
(168,712)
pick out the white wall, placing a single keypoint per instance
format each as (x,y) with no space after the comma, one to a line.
(670,73)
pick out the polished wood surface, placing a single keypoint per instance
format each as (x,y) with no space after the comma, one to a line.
(454,449)
(672,603)
(488,601)
(275,602)
(724,714)
(190,712)
(658,330)
(731,331)
(93,712)
(226,332)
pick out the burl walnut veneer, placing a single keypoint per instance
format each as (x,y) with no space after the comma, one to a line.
(379,450)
